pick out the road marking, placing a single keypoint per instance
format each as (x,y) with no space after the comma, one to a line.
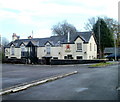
(81,89)
(33,83)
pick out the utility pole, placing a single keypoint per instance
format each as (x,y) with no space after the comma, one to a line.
(99,38)
(115,41)
(115,47)
(115,31)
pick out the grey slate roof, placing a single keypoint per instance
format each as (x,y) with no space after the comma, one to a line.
(110,50)
(54,40)
(113,55)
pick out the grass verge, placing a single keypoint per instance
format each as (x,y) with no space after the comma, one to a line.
(102,64)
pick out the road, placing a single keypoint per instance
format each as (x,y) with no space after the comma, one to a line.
(15,74)
(88,84)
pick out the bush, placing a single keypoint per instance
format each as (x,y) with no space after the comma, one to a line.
(2,56)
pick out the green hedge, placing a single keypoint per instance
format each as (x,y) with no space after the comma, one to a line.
(1,56)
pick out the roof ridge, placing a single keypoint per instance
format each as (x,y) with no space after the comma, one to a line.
(85,32)
(33,39)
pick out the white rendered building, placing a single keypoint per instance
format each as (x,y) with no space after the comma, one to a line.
(81,45)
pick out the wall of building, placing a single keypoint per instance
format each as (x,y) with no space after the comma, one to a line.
(80,53)
(66,51)
(73,49)
(56,52)
(61,51)
(41,51)
(17,53)
(7,52)
(92,54)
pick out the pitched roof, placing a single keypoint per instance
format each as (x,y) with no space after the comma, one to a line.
(113,55)
(110,50)
(54,40)
(85,35)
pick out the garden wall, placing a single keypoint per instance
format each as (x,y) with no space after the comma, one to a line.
(64,62)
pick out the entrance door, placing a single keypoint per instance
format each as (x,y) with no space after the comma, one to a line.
(32,53)
(46,60)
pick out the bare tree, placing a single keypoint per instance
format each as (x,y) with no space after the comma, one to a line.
(63,28)
(112,24)
(4,41)
(91,22)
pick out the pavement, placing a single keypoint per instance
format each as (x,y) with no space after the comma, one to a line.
(88,84)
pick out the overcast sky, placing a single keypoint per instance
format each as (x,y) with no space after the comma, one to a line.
(23,16)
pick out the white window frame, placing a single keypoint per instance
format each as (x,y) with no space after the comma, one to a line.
(6,51)
(23,48)
(12,50)
(94,47)
(90,46)
(79,46)
(48,49)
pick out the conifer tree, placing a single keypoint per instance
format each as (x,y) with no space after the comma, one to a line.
(106,36)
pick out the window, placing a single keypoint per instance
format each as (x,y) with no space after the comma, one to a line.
(58,43)
(12,50)
(94,47)
(22,48)
(65,57)
(79,46)
(69,57)
(79,57)
(48,49)
(6,51)
(90,47)
(55,57)
(23,52)
(89,57)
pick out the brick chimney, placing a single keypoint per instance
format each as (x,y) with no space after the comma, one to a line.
(30,37)
(15,37)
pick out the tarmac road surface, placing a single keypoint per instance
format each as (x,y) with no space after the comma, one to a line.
(17,74)
(88,84)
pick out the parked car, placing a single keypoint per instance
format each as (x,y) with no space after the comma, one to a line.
(112,56)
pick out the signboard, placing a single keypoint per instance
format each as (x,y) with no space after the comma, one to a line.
(67,48)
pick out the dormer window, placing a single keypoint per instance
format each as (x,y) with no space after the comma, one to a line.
(58,43)
(48,48)
(22,48)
